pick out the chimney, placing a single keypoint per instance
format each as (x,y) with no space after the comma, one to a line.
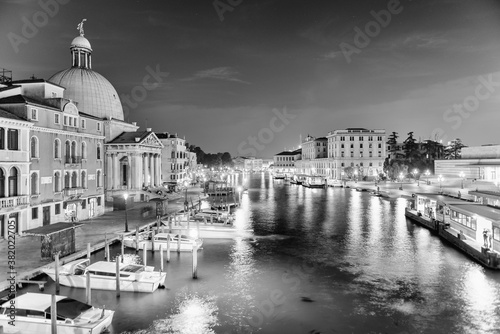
(134,123)
(149,129)
(137,139)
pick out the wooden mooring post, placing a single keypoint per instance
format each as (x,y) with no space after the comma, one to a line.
(168,247)
(122,248)
(88,250)
(153,241)
(118,258)
(53,315)
(136,239)
(106,247)
(144,256)
(195,262)
(179,242)
(88,290)
(56,258)
(161,258)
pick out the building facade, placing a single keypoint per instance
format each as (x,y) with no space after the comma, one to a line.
(363,150)
(284,162)
(175,160)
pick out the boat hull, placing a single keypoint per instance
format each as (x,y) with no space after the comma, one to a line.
(44,326)
(148,245)
(214,232)
(150,281)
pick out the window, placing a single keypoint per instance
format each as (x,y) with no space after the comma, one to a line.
(352,145)
(496,233)
(2,183)
(98,178)
(57,119)
(13,181)
(13,139)
(74,180)
(34,183)
(57,149)
(379,145)
(57,182)
(83,180)
(58,209)
(34,147)
(34,213)
(34,114)
(360,145)
(98,151)
(67,180)
(98,201)
(351,138)
(2,139)
(65,120)
(84,150)
(84,204)
(83,124)
(98,126)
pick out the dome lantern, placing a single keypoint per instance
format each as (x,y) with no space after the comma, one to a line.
(81,51)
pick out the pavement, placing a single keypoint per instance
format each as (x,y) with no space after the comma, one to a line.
(28,262)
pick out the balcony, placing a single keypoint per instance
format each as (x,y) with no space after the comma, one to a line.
(73,191)
(12,202)
(73,160)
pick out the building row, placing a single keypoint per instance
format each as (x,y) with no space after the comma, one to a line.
(66,150)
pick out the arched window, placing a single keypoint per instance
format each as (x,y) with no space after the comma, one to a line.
(74,180)
(99,151)
(84,150)
(57,182)
(73,152)
(98,178)
(83,180)
(57,148)
(68,152)
(34,147)
(67,177)
(34,183)
(13,175)
(2,183)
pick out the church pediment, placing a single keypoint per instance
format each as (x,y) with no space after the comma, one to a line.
(152,140)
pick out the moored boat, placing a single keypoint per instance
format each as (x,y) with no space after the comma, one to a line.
(187,243)
(133,277)
(32,314)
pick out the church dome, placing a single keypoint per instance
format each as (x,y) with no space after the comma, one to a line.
(94,94)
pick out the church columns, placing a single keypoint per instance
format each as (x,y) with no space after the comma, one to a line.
(137,171)
(129,171)
(109,172)
(146,170)
(116,172)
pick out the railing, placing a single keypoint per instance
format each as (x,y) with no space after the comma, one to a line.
(73,160)
(11,202)
(73,191)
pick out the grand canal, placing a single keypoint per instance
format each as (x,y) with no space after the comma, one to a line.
(322,261)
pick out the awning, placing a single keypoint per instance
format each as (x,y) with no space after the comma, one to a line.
(50,229)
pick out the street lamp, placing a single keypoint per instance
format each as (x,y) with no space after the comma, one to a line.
(356,176)
(401,176)
(440,179)
(427,173)
(462,176)
(125,196)
(415,172)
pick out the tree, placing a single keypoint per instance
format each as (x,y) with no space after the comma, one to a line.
(411,148)
(454,149)
(392,142)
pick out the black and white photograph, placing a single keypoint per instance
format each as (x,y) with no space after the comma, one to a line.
(237,166)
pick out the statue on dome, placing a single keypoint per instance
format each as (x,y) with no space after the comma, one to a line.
(80,27)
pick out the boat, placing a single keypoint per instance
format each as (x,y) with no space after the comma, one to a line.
(210,214)
(212,230)
(314,182)
(32,314)
(133,277)
(279,176)
(161,239)
(300,178)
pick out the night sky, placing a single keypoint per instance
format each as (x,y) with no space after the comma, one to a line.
(330,64)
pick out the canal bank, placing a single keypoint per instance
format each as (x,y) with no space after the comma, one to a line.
(28,263)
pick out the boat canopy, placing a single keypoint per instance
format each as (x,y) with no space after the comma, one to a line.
(69,308)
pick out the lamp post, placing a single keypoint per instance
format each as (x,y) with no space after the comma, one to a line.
(415,172)
(440,179)
(401,176)
(462,176)
(125,196)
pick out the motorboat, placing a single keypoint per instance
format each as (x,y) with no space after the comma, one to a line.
(146,241)
(211,215)
(279,176)
(212,230)
(31,313)
(314,182)
(133,277)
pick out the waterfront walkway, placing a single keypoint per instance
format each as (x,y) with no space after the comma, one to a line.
(28,256)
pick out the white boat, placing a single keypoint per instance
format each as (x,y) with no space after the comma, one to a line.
(32,315)
(214,230)
(161,239)
(133,277)
(314,182)
(213,215)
